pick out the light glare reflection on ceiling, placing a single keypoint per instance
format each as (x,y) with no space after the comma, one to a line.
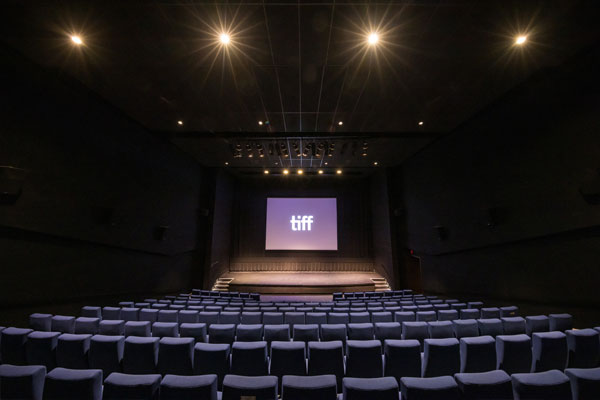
(520,40)
(373,38)
(224,38)
(76,39)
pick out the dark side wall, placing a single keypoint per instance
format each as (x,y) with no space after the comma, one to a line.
(496,207)
(106,208)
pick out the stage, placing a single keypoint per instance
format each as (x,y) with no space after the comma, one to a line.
(298,282)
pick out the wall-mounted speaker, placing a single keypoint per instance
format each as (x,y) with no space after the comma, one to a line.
(160,232)
(11,184)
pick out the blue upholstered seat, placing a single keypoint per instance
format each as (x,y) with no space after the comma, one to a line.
(440,329)
(383,388)
(130,314)
(441,357)
(585,382)
(251,317)
(513,353)
(560,322)
(175,356)
(138,328)
(258,387)
(537,323)
(140,355)
(477,354)
(437,388)
(72,350)
(465,328)
(63,323)
(197,387)
(549,351)
(212,358)
(22,382)
(112,327)
(493,385)
(111,313)
(249,333)
(75,384)
(363,359)
(402,358)
(106,353)
(91,312)
(360,331)
(322,387)
(326,358)
(514,325)
(549,385)
(40,322)
(118,386)
(249,358)
(490,327)
(288,358)
(40,349)
(584,348)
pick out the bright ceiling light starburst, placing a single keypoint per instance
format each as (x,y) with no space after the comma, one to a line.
(520,40)
(373,38)
(225,38)
(76,39)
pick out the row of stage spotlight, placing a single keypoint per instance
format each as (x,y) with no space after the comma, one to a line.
(301,172)
(309,149)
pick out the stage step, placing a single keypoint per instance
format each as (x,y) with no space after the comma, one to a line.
(222,284)
(381,284)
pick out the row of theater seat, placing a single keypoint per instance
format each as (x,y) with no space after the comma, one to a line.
(32,382)
(354,358)
(372,294)
(227,333)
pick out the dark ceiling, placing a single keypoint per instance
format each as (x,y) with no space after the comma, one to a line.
(301,66)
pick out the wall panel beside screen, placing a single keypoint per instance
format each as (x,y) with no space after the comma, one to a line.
(301,223)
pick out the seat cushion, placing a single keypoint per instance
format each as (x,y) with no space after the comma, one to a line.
(177,387)
(442,387)
(485,385)
(125,386)
(320,387)
(543,385)
(79,384)
(385,388)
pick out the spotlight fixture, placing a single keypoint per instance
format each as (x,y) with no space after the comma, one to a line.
(373,38)
(375,163)
(249,150)
(339,172)
(300,172)
(320,172)
(77,40)
(341,123)
(180,122)
(285,172)
(260,123)
(224,38)
(521,39)
(326,162)
(226,163)
(421,123)
(266,172)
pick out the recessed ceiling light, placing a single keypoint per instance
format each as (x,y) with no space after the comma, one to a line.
(226,163)
(421,123)
(260,123)
(266,172)
(339,172)
(320,172)
(285,172)
(224,38)
(341,123)
(520,40)
(77,40)
(300,172)
(326,163)
(373,38)
(180,122)
(375,163)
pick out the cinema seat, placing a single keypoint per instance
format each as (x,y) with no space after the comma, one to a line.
(305,333)
(140,355)
(426,316)
(549,385)
(287,358)
(40,349)
(490,312)
(197,331)
(584,348)
(165,329)
(402,358)
(382,316)
(212,358)
(383,388)
(415,330)
(404,316)
(175,356)
(236,387)
(249,358)
(130,314)
(475,305)
(106,353)
(470,313)
(293,318)
(363,359)
(465,328)
(438,388)
(40,322)
(112,327)
(197,387)
(63,323)
(229,317)
(138,328)
(549,351)
(279,332)
(168,316)
(360,331)
(91,312)
(440,329)
(272,318)
(513,353)
(75,384)
(338,318)
(119,386)
(388,330)
(447,315)
(509,311)
(326,358)
(537,323)
(490,327)
(513,325)
(330,332)
(251,317)
(560,322)
(441,357)
(585,382)
(149,315)
(208,317)
(188,317)
(72,350)
(111,313)
(492,385)
(22,382)
(87,325)
(322,387)
(477,354)
(249,333)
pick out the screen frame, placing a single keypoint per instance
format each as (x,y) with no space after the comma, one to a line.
(337,225)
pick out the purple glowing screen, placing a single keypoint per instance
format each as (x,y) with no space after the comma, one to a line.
(301,224)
